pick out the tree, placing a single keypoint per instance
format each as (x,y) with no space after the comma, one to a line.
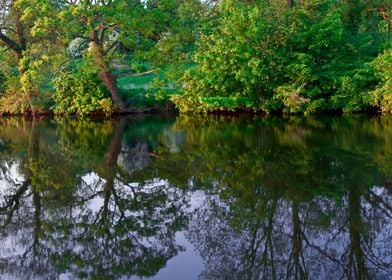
(105,25)
(14,34)
(33,57)
(295,57)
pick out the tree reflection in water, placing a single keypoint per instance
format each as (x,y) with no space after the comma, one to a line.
(258,198)
(57,217)
(304,199)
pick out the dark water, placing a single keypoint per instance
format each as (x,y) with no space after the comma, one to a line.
(196,198)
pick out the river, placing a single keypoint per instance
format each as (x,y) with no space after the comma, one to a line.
(196,197)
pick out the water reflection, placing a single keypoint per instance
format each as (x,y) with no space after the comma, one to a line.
(258,198)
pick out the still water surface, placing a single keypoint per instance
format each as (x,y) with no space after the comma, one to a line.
(196,198)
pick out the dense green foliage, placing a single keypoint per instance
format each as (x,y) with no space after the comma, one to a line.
(304,58)
(276,56)
(382,95)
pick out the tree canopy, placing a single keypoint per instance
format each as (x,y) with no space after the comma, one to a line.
(73,57)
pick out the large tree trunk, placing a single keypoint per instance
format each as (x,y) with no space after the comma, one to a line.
(105,74)
(110,82)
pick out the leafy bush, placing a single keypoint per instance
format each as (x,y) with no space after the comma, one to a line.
(382,95)
(78,90)
(13,100)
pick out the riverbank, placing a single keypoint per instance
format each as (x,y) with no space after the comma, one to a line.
(171,109)
(167,108)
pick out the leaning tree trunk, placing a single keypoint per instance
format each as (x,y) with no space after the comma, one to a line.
(110,82)
(105,74)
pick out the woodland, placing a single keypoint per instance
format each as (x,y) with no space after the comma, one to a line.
(85,57)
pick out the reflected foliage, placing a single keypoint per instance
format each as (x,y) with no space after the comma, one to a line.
(286,199)
(65,189)
(272,198)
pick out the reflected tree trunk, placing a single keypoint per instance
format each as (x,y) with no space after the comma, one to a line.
(269,246)
(261,235)
(356,262)
(298,269)
(37,219)
(33,155)
(111,164)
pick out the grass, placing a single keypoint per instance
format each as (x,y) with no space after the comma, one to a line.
(135,82)
(134,89)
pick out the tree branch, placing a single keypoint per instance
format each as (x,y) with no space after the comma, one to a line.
(137,74)
(111,47)
(10,43)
